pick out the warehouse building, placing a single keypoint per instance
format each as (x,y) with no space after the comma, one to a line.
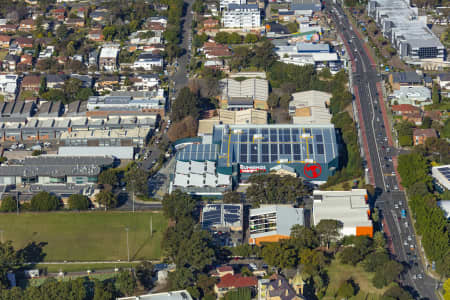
(249,93)
(55,170)
(242,150)
(441,176)
(271,223)
(348,207)
(118,152)
(310,107)
(230,117)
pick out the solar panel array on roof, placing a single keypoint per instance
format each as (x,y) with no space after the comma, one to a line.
(198,152)
(264,144)
(446,172)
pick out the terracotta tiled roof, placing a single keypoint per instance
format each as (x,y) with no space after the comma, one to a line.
(405,107)
(31,80)
(225,269)
(5,38)
(430,132)
(237,281)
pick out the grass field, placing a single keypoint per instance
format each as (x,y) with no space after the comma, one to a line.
(338,273)
(88,236)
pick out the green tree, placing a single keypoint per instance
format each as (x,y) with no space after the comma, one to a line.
(62,32)
(222,37)
(144,274)
(413,168)
(397,293)
(126,283)
(275,189)
(292,27)
(234,38)
(313,261)
(328,231)
(181,278)
(375,260)
(447,289)
(108,176)
(426,122)
(109,33)
(304,237)
(44,201)
(387,274)
(251,38)
(281,255)
(54,95)
(9,204)
(379,241)
(104,290)
(185,104)
(350,256)
(232,197)
(43,85)
(78,202)
(10,260)
(346,290)
(107,199)
(178,205)
(136,180)
(435,95)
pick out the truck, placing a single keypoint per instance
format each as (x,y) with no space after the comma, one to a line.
(403,213)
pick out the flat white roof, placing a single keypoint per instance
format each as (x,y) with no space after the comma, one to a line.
(349,207)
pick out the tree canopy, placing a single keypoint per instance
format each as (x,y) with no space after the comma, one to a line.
(44,201)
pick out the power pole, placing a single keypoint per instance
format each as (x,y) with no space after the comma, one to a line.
(128,247)
(151,225)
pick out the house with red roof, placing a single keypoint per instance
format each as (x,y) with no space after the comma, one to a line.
(27,25)
(210,23)
(402,109)
(24,42)
(234,281)
(222,271)
(5,41)
(421,135)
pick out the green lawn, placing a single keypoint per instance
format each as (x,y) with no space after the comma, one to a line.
(3,54)
(88,236)
(338,273)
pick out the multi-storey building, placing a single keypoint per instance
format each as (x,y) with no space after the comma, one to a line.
(241,16)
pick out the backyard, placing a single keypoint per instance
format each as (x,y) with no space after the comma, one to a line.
(87,236)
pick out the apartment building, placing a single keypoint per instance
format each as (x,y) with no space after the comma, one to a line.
(241,16)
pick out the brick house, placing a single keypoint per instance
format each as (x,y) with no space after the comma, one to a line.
(27,25)
(210,23)
(25,42)
(5,41)
(421,135)
(402,109)
(96,35)
(31,83)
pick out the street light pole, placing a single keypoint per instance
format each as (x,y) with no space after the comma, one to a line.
(128,248)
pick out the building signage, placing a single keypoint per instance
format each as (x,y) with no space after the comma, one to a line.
(252,169)
(312,170)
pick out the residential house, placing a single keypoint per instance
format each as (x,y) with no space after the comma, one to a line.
(25,42)
(8,86)
(399,79)
(277,287)
(58,13)
(5,41)
(96,35)
(146,81)
(46,53)
(444,82)
(210,23)
(107,83)
(27,25)
(86,80)
(15,48)
(55,81)
(75,22)
(434,115)
(10,62)
(402,109)
(421,135)
(31,83)
(9,28)
(231,282)
(148,61)
(222,271)
(98,15)
(26,62)
(108,58)
(93,58)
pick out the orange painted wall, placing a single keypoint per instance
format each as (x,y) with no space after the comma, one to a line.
(270,239)
(364,230)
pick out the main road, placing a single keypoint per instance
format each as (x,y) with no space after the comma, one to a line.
(380,156)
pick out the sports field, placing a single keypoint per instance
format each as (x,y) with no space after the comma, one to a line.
(87,236)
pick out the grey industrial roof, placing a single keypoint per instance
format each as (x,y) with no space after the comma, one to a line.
(118,152)
(57,166)
(406,77)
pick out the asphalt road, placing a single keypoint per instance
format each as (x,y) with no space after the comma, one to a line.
(391,201)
